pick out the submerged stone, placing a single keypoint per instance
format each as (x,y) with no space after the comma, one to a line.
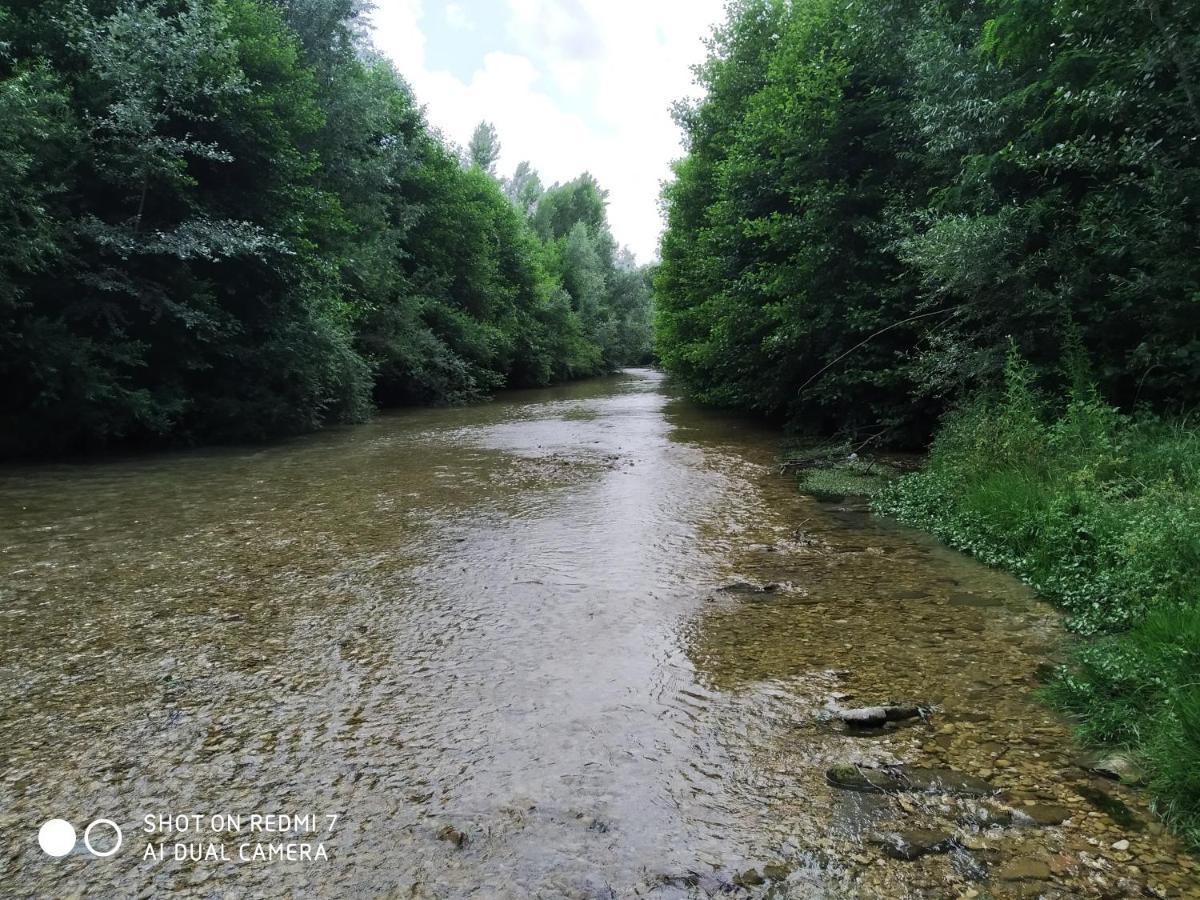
(690,880)
(1025,870)
(1111,806)
(452,835)
(911,844)
(739,587)
(1043,814)
(777,872)
(947,781)
(745,587)
(910,779)
(749,878)
(853,778)
(976,601)
(824,496)
(877,716)
(986,817)
(969,866)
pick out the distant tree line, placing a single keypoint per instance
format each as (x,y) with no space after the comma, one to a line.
(224,220)
(877,195)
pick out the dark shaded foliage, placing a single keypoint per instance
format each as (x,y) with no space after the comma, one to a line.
(228,220)
(877,195)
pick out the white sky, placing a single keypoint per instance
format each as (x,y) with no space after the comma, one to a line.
(571,85)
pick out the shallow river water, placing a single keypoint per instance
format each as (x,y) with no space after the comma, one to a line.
(521,650)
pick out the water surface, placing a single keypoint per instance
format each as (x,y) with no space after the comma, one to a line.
(507,622)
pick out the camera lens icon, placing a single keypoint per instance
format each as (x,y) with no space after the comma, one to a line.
(57,837)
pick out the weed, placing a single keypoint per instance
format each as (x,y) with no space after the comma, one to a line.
(1100,512)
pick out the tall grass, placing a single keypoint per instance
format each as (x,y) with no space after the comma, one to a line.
(1100,512)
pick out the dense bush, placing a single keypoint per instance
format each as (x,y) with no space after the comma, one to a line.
(227,220)
(1101,513)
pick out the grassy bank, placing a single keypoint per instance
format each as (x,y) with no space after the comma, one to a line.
(1100,512)
(833,471)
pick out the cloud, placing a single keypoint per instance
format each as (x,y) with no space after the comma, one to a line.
(565,28)
(456,17)
(572,86)
(398,34)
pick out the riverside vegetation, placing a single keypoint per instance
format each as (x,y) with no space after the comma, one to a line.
(977,220)
(228,220)
(1100,512)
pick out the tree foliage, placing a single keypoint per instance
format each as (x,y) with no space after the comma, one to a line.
(484,149)
(876,196)
(228,219)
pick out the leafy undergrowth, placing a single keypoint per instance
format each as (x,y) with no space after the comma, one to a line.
(1100,512)
(833,471)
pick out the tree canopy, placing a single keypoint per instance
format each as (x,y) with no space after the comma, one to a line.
(876,196)
(229,219)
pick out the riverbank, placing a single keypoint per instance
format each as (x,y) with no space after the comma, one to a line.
(1100,513)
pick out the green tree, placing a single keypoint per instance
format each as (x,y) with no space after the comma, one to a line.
(228,219)
(525,188)
(484,149)
(1072,170)
(780,288)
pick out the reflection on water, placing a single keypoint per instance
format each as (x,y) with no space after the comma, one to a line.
(509,620)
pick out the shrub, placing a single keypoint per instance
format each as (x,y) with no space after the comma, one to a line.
(1100,512)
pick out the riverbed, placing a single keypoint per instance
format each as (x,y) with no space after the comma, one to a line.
(578,642)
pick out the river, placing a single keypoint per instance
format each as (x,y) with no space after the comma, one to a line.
(521,649)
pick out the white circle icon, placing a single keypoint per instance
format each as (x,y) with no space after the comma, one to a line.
(87,838)
(57,837)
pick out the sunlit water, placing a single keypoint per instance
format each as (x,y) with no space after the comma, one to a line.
(508,620)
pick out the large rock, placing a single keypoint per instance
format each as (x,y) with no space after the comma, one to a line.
(1117,766)
(911,779)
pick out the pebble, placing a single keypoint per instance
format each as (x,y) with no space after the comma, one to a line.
(452,835)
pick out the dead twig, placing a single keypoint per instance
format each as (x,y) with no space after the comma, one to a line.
(858,346)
